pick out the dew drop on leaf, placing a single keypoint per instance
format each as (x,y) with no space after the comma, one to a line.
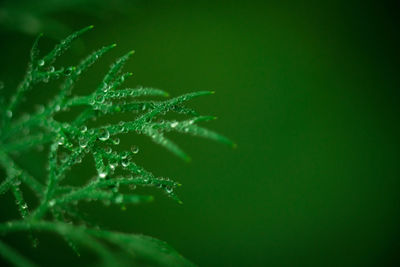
(83,142)
(116,141)
(125,163)
(68,71)
(104,134)
(135,149)
(124,155)
(102,174)
(61,141)
(100,99)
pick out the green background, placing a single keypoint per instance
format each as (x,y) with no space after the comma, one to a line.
(308,91)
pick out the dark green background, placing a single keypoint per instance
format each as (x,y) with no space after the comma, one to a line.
(308,91)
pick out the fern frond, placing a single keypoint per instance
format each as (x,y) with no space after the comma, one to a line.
(70,142)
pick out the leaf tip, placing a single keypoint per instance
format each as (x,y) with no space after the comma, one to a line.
(131,52)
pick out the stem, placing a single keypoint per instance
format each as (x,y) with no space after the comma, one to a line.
(13,170)
(80,233)
(14,257)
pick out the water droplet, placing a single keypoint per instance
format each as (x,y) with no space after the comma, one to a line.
(51,69)
(83,142)
(41,62)
(100,99)
(24,206)
(125,163)
(108,150)
(83,128)
(104,134)
(124,155)
(52,203)
(102,174)
(169,189)
(68,71)
(116,141)
(61,141)
(174,124)
(57,108)
(135,149)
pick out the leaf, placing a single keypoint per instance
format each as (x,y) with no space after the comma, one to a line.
(144,247)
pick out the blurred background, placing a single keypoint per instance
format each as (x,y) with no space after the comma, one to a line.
(308,91)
